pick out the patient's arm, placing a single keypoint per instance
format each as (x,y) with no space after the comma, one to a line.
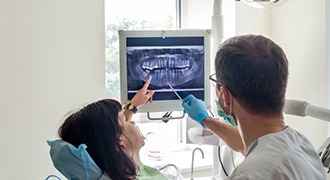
(143,96)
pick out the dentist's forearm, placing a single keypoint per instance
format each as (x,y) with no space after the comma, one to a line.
(227,133)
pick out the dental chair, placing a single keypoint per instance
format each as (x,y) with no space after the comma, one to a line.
(76,163)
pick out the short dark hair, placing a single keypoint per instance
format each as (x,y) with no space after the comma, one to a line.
(255,69)
(96,125)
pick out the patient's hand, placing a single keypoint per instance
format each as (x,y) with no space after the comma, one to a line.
(143,96)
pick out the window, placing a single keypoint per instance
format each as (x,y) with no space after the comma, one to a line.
(132,15)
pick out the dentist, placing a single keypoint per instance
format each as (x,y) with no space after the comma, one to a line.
(251,78)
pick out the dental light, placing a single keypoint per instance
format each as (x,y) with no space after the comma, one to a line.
(264,3)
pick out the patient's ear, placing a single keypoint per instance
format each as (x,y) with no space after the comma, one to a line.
(122,143)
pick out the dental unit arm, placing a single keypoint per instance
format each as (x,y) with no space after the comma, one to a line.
(303,108)
(223,168)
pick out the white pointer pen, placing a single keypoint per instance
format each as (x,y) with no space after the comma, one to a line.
(174,91)
(204,133)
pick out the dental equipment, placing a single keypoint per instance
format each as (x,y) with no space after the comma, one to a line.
(192,161)
(180,57)
(266,3)
(173,173)
(174,91)
(303,108)
(167,165)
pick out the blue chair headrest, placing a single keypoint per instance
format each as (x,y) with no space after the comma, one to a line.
(72,162)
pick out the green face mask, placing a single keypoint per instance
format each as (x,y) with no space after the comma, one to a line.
(228,118)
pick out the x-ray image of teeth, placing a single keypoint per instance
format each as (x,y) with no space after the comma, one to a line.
(180,66)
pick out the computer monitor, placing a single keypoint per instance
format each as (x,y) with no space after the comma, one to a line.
(178,57)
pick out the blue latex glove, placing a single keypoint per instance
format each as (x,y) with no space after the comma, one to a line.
(195,108)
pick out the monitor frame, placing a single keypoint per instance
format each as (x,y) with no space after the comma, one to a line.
(163,105)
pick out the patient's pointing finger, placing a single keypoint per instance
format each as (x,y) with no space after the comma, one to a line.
(145,86)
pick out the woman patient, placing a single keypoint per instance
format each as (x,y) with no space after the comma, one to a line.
(113,141)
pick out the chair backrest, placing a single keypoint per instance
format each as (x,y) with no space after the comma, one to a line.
(72,162)
(76,163)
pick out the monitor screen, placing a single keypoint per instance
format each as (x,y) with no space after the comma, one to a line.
(179,58)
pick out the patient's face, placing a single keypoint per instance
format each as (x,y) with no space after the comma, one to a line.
(131,133)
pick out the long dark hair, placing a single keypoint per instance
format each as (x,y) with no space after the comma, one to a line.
(96,125)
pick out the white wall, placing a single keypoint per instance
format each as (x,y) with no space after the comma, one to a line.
(51,60)
(250,20)
(299,27)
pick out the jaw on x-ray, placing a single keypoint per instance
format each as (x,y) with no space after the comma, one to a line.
(181,66)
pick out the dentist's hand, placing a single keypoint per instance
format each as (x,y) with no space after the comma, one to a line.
(195,108)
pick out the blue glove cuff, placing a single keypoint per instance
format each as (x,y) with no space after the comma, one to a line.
(201,118)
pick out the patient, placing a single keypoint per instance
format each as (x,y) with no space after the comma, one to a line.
(112,139)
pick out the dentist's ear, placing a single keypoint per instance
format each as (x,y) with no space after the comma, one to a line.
(226,96)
